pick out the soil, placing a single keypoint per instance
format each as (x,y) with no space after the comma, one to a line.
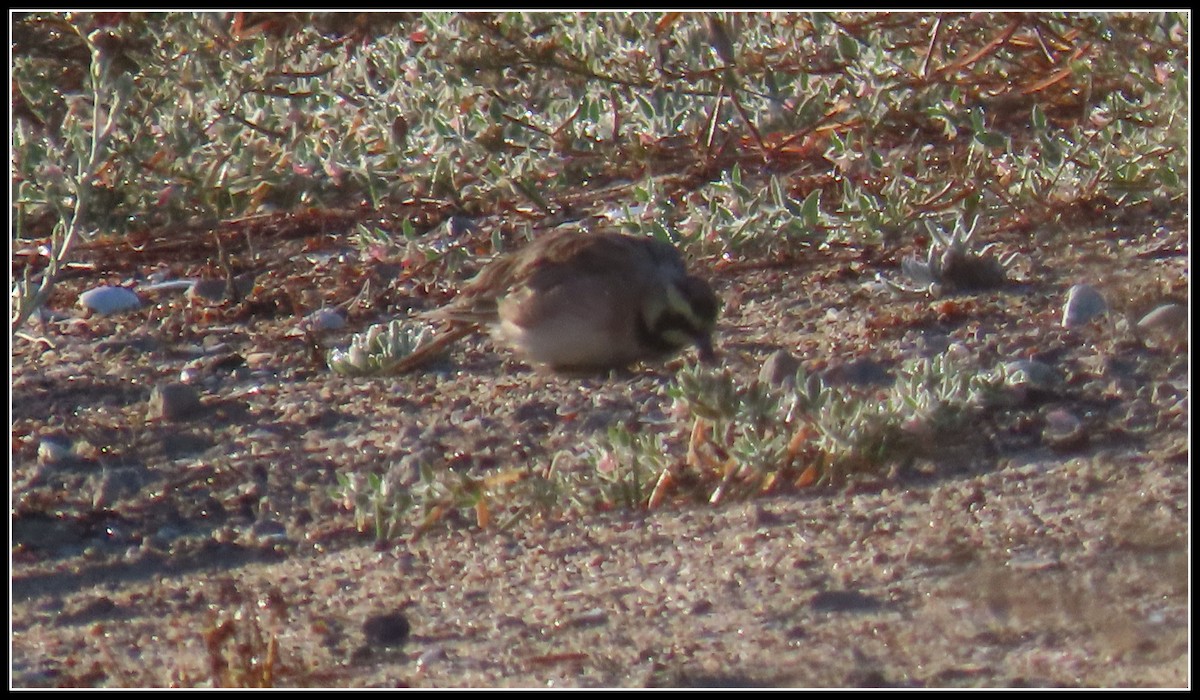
(165,542)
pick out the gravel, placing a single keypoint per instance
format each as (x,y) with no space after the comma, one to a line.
(1047,548)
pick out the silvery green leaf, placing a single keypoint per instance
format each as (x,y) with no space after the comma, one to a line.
(917,271)
(380,348)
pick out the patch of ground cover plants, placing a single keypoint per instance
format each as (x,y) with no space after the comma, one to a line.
(374,162)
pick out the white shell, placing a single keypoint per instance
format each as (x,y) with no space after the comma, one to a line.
(1084,302)
(1165,326)
(1166,317)
(109,300)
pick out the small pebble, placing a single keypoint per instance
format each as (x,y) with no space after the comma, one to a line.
(174,402)
(269,532)
(779,369)
(1063,429)
(109,300)
(430,656)
(1165,326)
(324,320)
(1084,303)
(51,450)
(215,290)
(116,484)
(386,630)
(207,291)
(1033,374)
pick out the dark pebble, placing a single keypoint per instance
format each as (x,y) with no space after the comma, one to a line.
(844,601)
(387,630)
(174,402)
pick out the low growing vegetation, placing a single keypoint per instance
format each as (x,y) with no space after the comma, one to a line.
(744,138)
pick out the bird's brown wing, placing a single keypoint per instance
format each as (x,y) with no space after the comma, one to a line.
(546,268)
(545,263)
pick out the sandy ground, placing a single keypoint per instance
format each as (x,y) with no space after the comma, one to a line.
(207,550)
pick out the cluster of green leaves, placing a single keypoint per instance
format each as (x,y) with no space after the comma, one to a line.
(224,122)
(393,504)
(754,220)
(379,504)
(747,438)
(930,400)
(952,264)
(200,116)
(741,439)
(378,349)
(59,179)
(1062,111)
(624,470)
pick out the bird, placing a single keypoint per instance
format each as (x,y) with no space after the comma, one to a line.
(583,302)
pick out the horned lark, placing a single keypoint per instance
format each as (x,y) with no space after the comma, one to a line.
(580,302)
